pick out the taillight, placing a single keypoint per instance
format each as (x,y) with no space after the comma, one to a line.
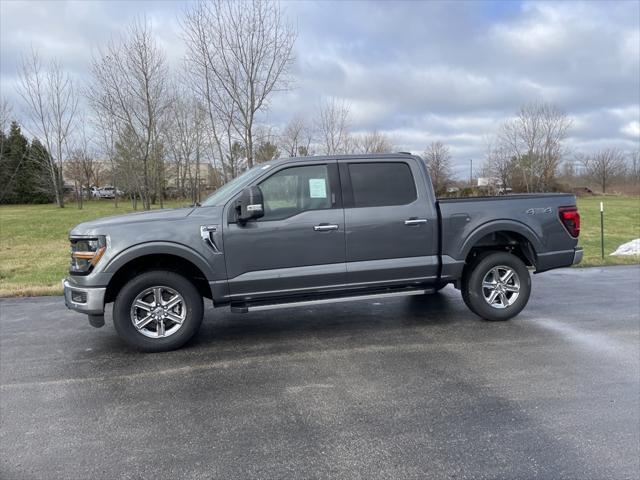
(570,218)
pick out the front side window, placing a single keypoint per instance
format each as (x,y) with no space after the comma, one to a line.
(295,190)
(382,184)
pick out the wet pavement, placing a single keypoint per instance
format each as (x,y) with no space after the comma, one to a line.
(398,388)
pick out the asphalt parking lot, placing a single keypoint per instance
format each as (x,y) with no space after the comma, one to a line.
(401,388)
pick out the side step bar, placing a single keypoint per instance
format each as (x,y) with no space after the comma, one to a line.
(256,307)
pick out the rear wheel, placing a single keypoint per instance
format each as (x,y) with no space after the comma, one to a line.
(157,311)
(497,286)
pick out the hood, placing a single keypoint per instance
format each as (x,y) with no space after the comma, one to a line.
(95,226)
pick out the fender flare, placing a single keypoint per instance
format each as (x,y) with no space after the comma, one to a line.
(159,248)
(502,226)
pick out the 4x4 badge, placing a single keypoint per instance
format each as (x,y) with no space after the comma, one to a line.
(532,211)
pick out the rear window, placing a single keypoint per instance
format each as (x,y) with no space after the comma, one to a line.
(382,184)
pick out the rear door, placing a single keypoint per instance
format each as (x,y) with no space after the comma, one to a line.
(391,223)
(298,246)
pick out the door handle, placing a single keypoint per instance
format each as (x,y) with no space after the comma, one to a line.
(325,227)
(415,221)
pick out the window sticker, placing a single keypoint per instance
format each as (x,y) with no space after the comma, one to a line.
(317,188)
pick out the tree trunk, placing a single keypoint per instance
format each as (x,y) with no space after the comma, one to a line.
(78,194)
(115,192)
(61,196)
(249,148)
(146,205)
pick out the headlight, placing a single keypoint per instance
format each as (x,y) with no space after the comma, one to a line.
(85,253)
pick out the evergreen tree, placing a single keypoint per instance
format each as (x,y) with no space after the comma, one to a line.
(5,168)
(15,150)
(23,172)
(266,151)
(41,189)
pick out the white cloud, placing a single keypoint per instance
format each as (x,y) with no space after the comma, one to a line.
(632,129)
(419,71)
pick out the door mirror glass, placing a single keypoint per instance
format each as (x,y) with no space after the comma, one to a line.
(250,205)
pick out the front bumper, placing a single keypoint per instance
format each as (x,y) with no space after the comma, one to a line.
(89,300)
(577,255)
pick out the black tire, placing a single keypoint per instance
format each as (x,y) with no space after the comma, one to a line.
(465,279)
(465,292)
(473,292)
(192,305)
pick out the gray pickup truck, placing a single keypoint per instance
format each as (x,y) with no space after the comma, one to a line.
(303,231)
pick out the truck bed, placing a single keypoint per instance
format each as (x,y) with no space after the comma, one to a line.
(534,217)
(517,196)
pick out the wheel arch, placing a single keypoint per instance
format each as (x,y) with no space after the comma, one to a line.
(507,235)
(158,256)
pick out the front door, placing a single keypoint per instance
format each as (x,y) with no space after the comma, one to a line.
(298,246)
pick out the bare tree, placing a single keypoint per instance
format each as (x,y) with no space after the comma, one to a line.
(6,110)
(634,167)
(105,127)
(373,142)
(569,174)
(266,145)
(5,121)
(179,141)
(52,103)
(82,167)
(500,164)
(534,140)
(130,86)
(220,110)
(438,158)
(604,166)
(235,159)
(296,138)
(186,138)
(242,52)
(333,126)
(126,149)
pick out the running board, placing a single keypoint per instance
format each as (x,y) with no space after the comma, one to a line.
(256,307)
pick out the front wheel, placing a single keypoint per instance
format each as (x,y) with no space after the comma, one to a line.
(157,311)
(497,287)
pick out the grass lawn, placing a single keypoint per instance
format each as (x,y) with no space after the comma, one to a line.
(34,250)
(34,245)
(621,224)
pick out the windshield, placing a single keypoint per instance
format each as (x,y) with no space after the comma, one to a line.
(220,196)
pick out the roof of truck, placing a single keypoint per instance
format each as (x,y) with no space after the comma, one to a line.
(358,156)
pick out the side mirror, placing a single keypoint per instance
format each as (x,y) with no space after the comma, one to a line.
(250,205)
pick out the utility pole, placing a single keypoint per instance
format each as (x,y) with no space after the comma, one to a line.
(471,172)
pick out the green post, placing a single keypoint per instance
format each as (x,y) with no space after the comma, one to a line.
(602,229)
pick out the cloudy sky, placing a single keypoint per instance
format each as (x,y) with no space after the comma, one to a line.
(419,71)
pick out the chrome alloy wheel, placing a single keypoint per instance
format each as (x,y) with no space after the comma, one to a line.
(158,312)
(501,286)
